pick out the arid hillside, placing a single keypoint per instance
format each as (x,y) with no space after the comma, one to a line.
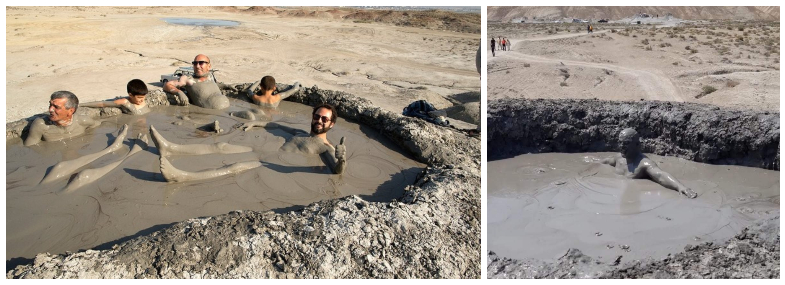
(507,14)
(430,19)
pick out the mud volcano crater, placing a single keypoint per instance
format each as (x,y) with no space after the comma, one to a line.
(598,225)
(431,230)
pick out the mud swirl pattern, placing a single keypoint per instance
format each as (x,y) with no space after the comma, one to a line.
(576,204)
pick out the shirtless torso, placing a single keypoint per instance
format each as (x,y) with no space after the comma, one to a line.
(632,163)
(269,100)
(44,129)
(132,109)
(205,93)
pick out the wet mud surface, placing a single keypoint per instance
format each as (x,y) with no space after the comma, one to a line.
(589,223)
(431,229)
(134,196)
(541,205)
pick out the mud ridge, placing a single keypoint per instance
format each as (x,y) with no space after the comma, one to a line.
(754,253)
(432,231)
(698,132)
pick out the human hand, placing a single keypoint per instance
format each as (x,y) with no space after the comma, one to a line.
(688,192)
(340,150)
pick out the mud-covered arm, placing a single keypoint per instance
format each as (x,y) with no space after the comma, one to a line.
(36,131)
(665,179)
(173,87)
(100,104)
(296,87)
(335,157)
(249,91)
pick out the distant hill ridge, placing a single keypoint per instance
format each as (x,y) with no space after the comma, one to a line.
(507,14)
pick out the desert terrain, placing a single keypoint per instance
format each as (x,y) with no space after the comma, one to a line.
(724,63)
(389,57)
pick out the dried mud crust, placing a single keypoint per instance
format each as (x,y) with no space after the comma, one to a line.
(754,253)
(432,231)
(697,132)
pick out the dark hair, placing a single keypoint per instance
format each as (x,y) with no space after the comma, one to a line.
(333,116)
(268,83)
(71,103)
(136,87)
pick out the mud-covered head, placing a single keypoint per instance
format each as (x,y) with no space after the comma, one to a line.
(629,142)
(201,66)
(137,91)
(267,84)
(323,119)
(62,106)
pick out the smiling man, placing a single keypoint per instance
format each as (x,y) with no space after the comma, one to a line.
(323,119)
(199,89)
(61,122)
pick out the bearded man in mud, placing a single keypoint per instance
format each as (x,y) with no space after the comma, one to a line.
(315,142)
(633,164)
(201,91)
(62,123)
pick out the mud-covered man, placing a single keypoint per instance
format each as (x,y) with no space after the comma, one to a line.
(323,119)
(201,90)
(631,163)
(61,123)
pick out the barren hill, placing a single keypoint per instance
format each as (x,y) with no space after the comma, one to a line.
(429,19)
(507,14)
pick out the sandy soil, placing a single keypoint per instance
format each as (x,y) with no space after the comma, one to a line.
(675,61)
(95,51)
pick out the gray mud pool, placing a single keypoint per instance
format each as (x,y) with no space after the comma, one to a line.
(540,205)
(135,199)
(200,22)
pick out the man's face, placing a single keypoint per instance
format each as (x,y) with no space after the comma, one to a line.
(58,112)
(201,66)
(627,146)
(320,123)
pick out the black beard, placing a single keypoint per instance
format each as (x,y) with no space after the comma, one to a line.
(316,131)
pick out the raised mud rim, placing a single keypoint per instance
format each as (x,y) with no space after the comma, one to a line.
(697,132)
(432,231)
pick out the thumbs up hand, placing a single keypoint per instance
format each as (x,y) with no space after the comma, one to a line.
(340,150)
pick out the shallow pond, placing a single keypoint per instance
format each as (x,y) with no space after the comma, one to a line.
(201,22)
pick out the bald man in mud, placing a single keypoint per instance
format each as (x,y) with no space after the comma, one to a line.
(323,119)
(631,163)
(61,123)
(201,91)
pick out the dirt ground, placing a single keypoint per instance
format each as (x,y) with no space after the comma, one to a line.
(95,51)
(724,63)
